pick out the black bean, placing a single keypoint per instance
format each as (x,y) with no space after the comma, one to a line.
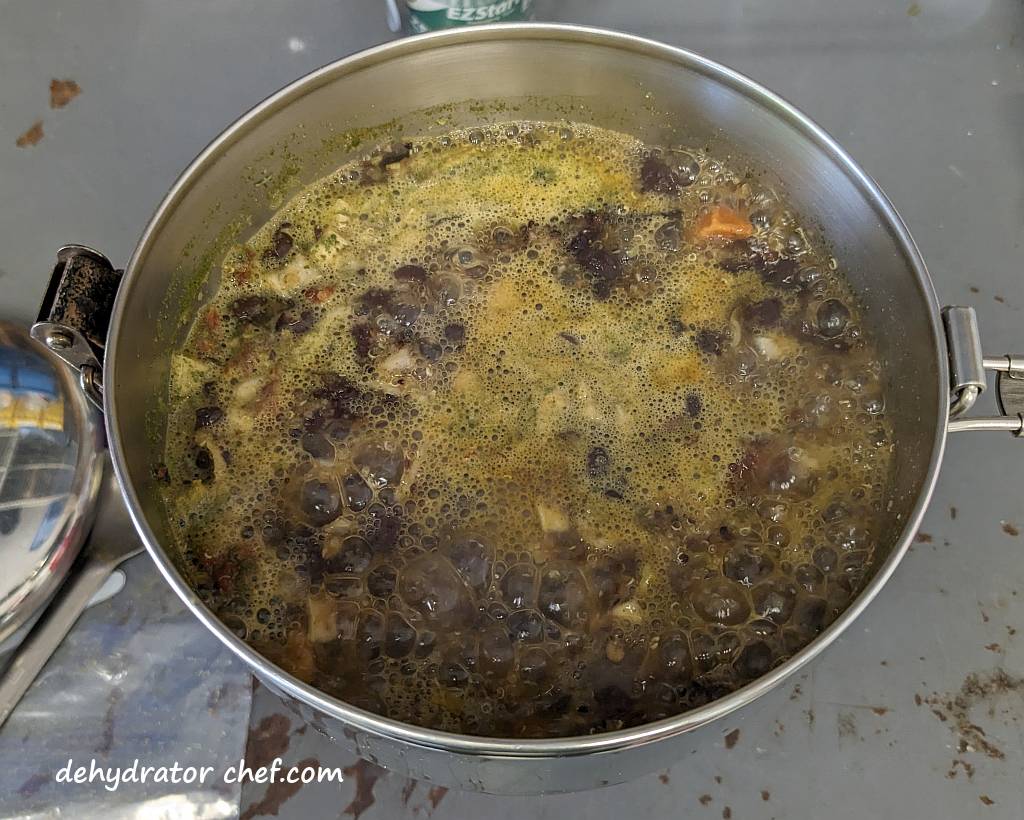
(395,152)
(832,316)
(668,236)
(602,265)
(382,581)
(399,637)
(615,495)
(613,702)
(280,244)
(597,462)
(739,256)
(355,555)
(430,351)
(582,243)
(204,465)
(676,326)
(525,625)
(320,502)
(569,338)
(410,273)
(208,416)
(425,642)
(765,313)
(383,536)
(298,322)
(363,336)
(810,614)
(357,493)
(455,332)
(473,559)
(317,445)
(709,341)
(405,315)
(655,175)
(754,660)
(374,301)
(255,310)
(782,274)
(452,674)
(693,405)
(587,247)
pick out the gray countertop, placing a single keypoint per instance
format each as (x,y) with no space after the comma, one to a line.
(918,711)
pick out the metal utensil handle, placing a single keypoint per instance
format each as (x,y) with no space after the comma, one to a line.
(52,628)
(968,374)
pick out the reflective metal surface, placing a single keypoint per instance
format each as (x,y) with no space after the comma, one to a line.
(653,91)
(108,546)
(50,467)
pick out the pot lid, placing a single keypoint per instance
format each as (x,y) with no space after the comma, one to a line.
(50,466)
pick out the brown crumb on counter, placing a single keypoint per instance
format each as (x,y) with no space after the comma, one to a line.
(988,801)
(924,538)
(704,799)
(436,795)
(366,775)
(1010,529)
(32,136)
(62,92)
(726,813)
(663,777)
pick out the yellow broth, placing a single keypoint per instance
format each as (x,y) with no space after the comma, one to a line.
(531,430)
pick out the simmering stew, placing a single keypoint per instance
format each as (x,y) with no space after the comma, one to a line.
(530,430)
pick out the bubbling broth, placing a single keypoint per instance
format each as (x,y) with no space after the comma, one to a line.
(530,430)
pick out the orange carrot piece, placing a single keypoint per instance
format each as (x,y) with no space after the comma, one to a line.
(723,222)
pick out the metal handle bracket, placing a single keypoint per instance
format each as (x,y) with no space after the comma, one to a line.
(75,313)
(968,369)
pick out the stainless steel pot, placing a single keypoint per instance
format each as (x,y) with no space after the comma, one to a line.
(466,77)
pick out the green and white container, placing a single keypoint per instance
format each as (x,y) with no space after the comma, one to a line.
(431,15)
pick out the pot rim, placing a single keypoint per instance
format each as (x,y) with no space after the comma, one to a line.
(362,720)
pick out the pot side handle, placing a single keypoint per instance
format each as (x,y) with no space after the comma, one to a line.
(968,367)
(75,313)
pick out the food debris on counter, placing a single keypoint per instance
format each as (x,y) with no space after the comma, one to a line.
(956,710)
(731,738)
(278,793)
(366,775)
(32,136)
(62,92)
(436,795)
